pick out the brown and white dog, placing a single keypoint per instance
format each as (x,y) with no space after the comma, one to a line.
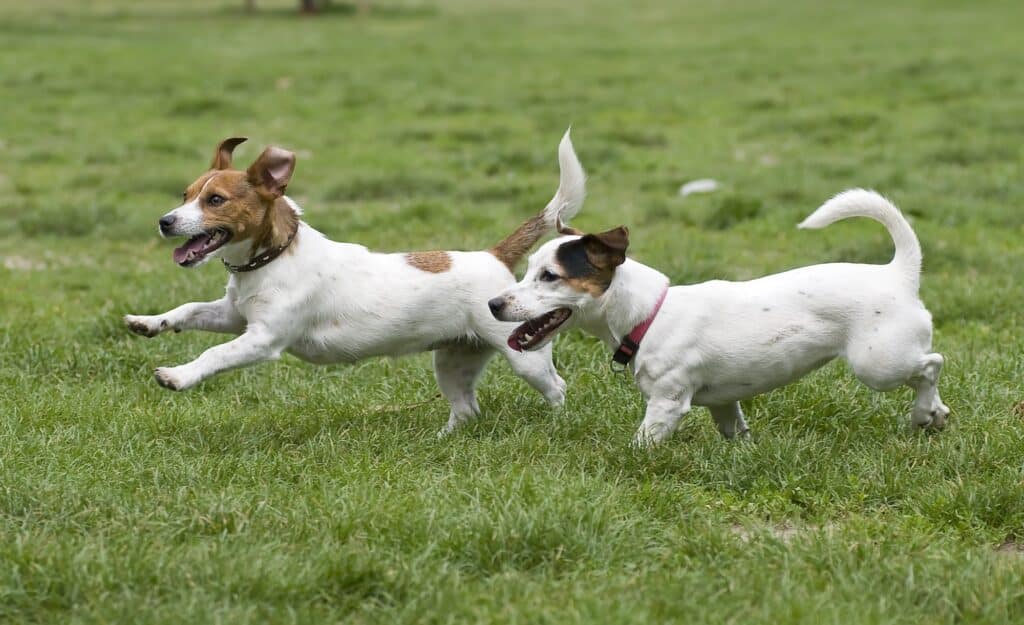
(292,289)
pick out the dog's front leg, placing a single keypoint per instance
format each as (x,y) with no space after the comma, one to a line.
(218,316)
(256,345)
(661,418)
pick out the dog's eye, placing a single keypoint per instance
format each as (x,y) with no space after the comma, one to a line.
(215,200)
(547,276)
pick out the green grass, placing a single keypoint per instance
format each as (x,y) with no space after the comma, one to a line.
(292,493)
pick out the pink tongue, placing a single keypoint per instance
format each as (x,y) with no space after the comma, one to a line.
(513,342)
(181,253)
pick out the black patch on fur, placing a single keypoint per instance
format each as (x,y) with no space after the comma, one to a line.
(572,256)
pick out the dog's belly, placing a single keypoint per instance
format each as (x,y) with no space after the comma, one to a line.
(330,342)
(320,355)
(322,350)
(752,379)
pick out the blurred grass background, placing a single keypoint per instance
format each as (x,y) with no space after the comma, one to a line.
(292,493)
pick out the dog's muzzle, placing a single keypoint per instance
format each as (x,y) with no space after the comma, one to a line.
(497,305)
(166,223)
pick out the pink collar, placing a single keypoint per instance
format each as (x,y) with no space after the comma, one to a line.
(631,342)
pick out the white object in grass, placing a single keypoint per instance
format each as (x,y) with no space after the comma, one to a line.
(704,185)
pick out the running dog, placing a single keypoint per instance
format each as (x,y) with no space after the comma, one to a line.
(292,289)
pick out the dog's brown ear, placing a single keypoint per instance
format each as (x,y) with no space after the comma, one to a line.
(607,250)
(272,171)
(222,156)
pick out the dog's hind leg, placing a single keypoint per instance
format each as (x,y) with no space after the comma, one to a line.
(929,411)
(457,369)
(896,355)
(730,421)
(539,372)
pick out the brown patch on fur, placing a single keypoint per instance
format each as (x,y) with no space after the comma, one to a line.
(515,246)
(588,263)
(248,214)
(432,262)
(579,273)
(594,285)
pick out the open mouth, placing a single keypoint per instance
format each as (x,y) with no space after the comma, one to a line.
(532,333)
(200,246)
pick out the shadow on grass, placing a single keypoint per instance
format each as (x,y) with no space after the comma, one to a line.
(64,19)
(364,9)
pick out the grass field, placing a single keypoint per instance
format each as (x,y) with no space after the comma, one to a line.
(295,494)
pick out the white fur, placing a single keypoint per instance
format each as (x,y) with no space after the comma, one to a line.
(716,343)
(329,302)
(188,219)
(571,185)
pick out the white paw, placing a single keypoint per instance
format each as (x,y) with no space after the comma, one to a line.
(556,396)
(146,325)
(939,414)
(173,378)
(646,438)
(934,419)
(454,423)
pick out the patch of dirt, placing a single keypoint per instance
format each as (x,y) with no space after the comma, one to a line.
(783,533)
(1011,548)
(20,263)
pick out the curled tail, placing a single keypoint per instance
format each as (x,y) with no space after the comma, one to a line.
(566,203)
(863,203)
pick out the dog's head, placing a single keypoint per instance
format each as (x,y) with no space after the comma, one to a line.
(567,275)
(228,205)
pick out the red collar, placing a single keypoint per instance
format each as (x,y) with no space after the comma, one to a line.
(631,342)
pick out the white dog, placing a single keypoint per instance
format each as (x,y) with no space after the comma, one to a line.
(291,289)
(716,343)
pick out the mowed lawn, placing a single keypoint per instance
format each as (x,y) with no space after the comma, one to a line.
(289,493)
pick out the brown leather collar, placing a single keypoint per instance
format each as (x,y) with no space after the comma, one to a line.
(261,260)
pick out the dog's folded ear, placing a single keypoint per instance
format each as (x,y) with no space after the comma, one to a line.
(607,250)
(272,171)
(222,156)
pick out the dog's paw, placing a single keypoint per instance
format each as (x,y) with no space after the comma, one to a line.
(453,425)
(939,415)
(933,420)
(743,436)
(644,440)
(172,378)
(145,325)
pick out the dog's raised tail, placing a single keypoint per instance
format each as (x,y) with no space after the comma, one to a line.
(562,207)
(864,203)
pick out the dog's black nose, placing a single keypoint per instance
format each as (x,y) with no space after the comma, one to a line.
(167,221)
(496,305)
